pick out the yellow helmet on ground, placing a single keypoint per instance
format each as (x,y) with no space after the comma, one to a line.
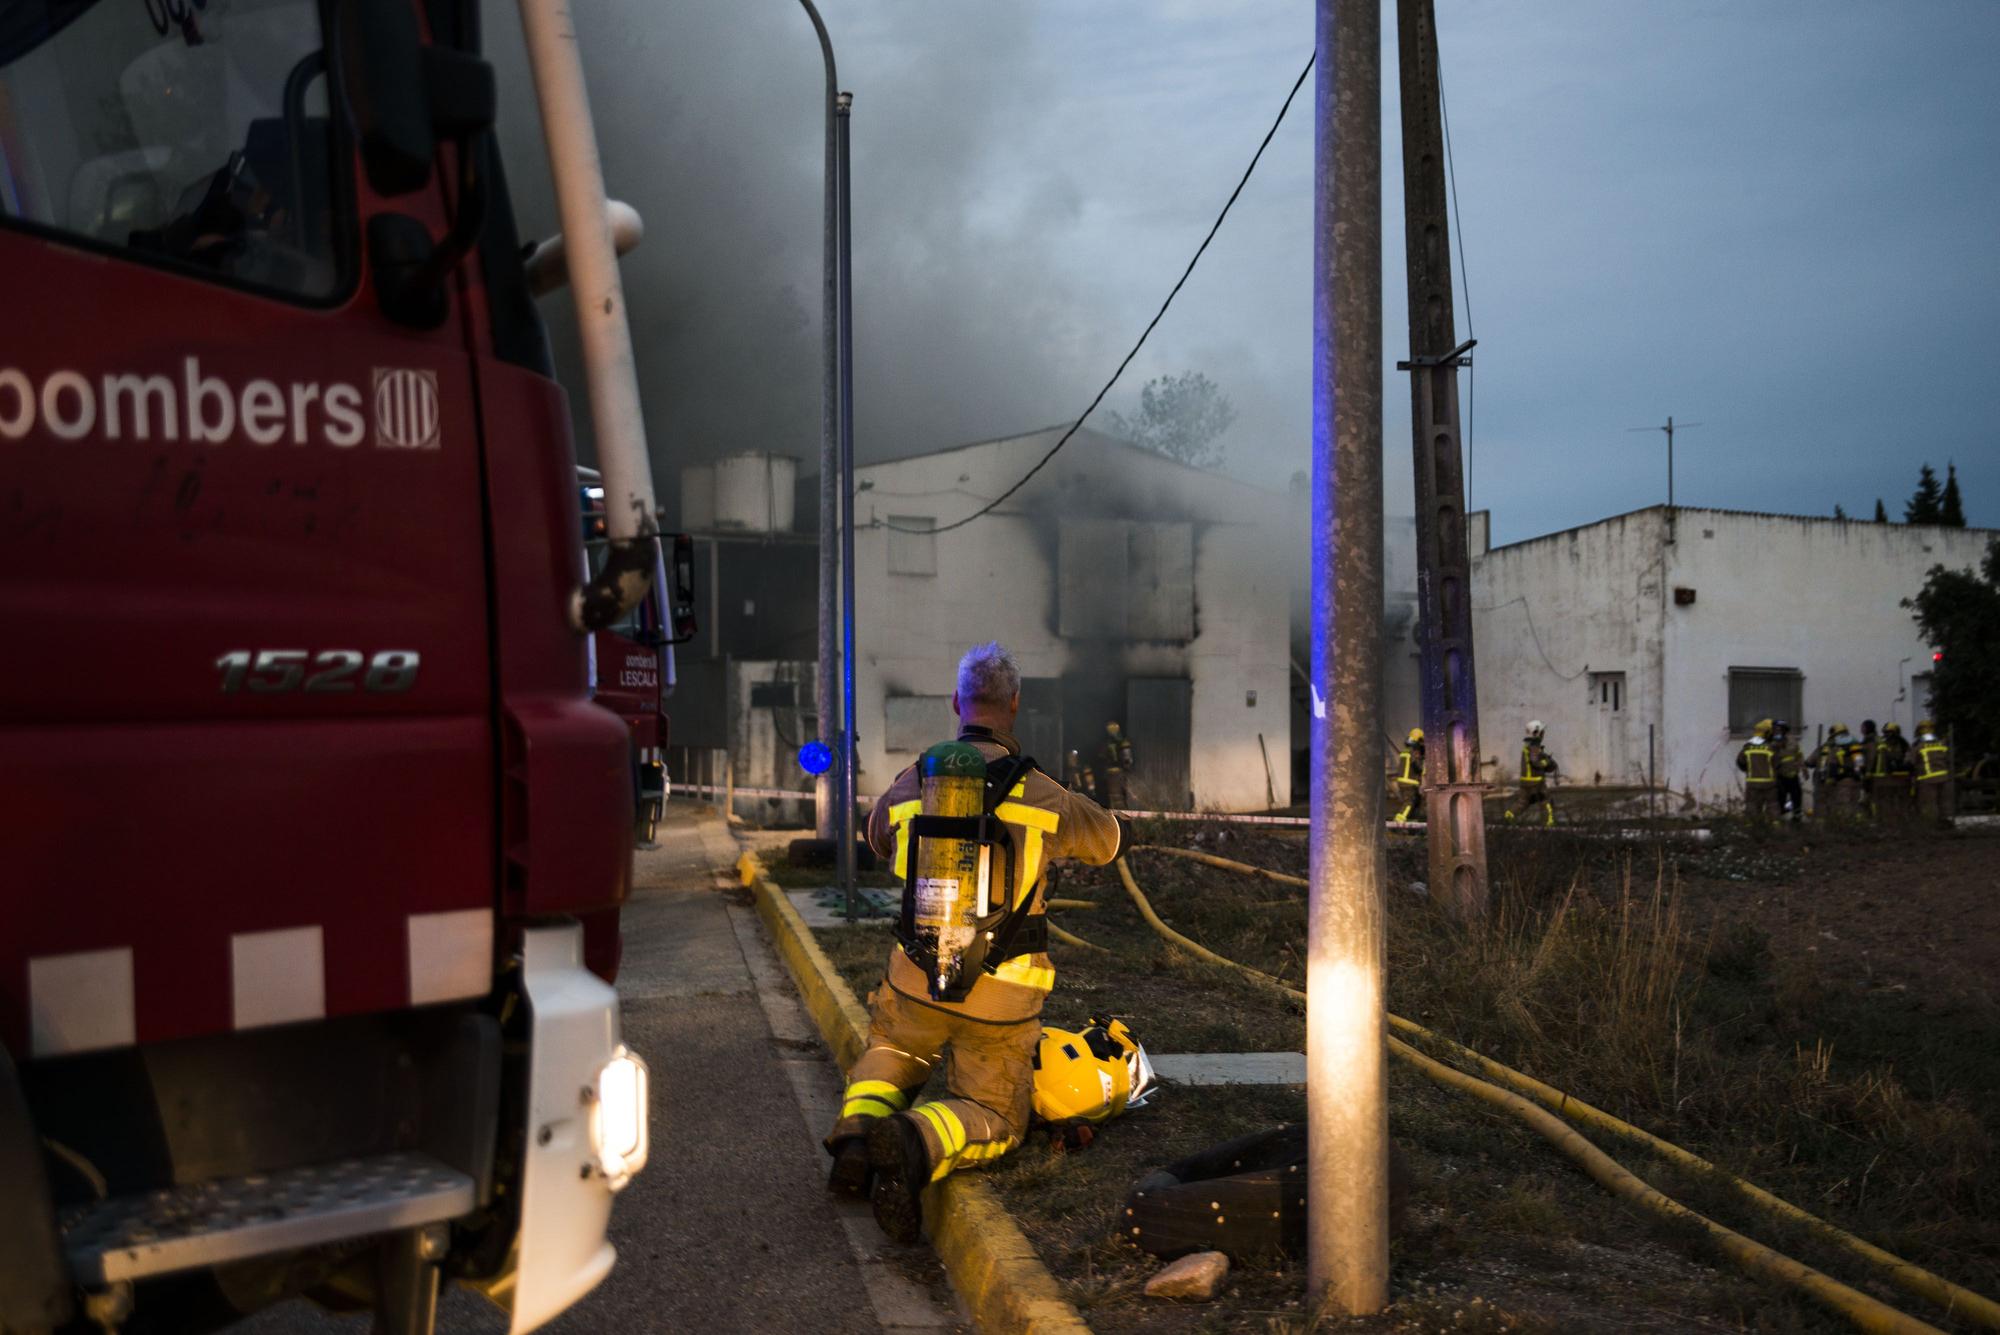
(1091,1075)
(1416,735)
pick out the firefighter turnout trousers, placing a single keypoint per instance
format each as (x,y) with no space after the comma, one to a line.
(1837,799)
(989,1069)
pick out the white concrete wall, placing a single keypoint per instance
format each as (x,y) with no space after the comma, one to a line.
(1546,614)
(996,579)
(1818,595)
(1241,647)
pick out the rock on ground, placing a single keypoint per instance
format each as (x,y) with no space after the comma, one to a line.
(1196,1278)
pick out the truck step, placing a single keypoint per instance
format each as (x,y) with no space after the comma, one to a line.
(234,1218)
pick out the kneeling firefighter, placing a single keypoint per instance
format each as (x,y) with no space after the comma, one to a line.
(971,827)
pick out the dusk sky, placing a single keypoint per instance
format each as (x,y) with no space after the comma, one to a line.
(1777,220)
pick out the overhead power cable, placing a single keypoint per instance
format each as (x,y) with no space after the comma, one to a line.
(1077,425)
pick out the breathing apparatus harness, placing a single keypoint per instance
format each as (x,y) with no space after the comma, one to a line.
(949,929)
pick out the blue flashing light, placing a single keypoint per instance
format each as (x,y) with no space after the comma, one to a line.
(815,757)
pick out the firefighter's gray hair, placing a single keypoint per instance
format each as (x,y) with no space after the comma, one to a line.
(987,675)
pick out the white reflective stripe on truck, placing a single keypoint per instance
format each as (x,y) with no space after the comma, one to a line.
(87,1000)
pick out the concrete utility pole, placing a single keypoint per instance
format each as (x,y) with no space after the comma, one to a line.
(1347,1107)
(1453,794)
(829,463)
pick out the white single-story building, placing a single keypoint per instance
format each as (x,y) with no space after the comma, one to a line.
(1650,642)
(1129,587)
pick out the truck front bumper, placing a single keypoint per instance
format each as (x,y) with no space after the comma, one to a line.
(586,1128)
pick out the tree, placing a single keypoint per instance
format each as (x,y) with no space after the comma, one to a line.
(1180,416)
(1881,515)
(1838,513)
(1959,614)
(1951,510)
(1926,501)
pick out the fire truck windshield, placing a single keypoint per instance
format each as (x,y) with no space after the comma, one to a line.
(182,132)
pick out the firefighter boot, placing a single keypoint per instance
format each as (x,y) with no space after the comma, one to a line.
(902,1167)
(850,1175)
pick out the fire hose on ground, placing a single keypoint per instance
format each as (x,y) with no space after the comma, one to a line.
(1865,1312)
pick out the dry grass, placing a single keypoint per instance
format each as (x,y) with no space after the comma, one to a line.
(1870,1110)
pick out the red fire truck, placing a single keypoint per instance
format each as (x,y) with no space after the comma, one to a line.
(632,660)
(307,924)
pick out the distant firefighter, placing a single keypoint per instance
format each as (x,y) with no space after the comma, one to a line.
(1759,762)
(1116,755)
(1836,775)
(1891,772)
(1865,748)
(1860,753)
(1791,765)
(1892,752)
(1932,775)
(1536,767)
(1407,785)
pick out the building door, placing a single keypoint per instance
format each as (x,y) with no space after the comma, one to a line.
(1039,726)
(1608,695)
(1158,720)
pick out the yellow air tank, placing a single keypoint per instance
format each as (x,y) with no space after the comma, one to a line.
(950,879)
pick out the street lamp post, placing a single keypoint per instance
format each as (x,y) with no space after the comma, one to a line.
(842,107)
(823,678)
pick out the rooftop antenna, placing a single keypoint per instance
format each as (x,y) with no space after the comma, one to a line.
(1671,427)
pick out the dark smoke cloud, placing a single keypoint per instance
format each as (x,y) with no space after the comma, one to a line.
(1787,249)
(709,118)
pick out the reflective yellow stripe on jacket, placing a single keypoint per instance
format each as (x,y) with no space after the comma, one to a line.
(1757,760)
(899,816)
(1934,757)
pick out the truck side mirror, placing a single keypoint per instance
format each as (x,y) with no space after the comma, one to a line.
(680,601)
(404,97)
(380,55)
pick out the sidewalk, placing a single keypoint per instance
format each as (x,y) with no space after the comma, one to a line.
(729,1228)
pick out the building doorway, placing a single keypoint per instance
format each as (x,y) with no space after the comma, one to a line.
(1607,693)
(1159,721)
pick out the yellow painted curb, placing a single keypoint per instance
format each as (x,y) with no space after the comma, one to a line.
(991,1262)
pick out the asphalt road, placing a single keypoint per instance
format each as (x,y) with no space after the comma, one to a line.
(729,1228)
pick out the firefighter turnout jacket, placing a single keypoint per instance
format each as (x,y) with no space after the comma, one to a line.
(1832,760)
(1536,763)
(1758,762)
(1043,821)
(1933,759)
(1892,754)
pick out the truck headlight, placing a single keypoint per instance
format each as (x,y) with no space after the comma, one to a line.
(618,1117)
